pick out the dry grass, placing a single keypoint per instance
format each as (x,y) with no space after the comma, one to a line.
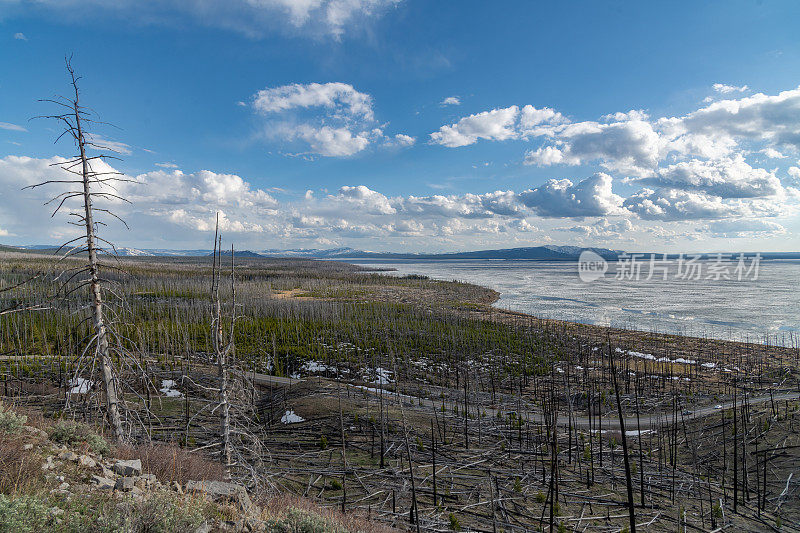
(276,507)
(171,463)
(20,470)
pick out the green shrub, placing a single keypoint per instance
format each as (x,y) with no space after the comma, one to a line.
(63,432)
(11,422)
(540,497)
(24,514)
(69,433)
(297,521)
(98,444)
(161,513)
(455,525)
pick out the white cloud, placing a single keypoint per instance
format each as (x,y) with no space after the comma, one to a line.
(672,204)
(630,147)
(727,89)
(732,229)
(545,156)
(561,198)
(332,119)
(171,207)
(774,120)
(338,98)
(772,153)
(401,139)
(727,178)
(11,127)
(633,114)
(603,229)
(365,198)
(166,165)
(497,124)
(254,18)
(451,100)
(332,142)
(536,122)
(20,36)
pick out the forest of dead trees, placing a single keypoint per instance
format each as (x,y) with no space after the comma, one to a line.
(408,400)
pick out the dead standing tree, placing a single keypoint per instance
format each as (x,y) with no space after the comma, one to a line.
(88,185)
(223,345)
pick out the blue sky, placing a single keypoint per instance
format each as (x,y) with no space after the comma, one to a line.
(322,123)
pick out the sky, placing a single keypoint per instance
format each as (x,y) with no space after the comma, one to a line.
(408,125)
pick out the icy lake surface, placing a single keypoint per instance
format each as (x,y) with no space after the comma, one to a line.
(766,309)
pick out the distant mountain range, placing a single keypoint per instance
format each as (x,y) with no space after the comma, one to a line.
(531,253)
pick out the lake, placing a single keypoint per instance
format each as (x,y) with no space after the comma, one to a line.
(764,309)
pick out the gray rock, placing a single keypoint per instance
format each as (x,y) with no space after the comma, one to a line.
(220,491)
(28,446)
(107,472)
(103,483)
(68,455)
(125,484)
(132,467)
(203,528)
(35,431)
(86,461)
(48,463)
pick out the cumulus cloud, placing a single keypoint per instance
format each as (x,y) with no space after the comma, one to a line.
(630,147)
(365,198)
(451,100)
(673,204)
(561,198)
(332,142)
(332,119)
(732,229)
(604,229)
(727,178)
(337,97)
(497,124)
(170,207)
(772,119)
(504,203)
(20,36)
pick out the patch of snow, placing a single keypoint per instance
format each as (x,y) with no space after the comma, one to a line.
(168,389)
(378,376)
(291,418)
(80,386)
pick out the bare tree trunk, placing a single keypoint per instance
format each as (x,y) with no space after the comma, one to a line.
(109,380)
(222,350)
(628,480)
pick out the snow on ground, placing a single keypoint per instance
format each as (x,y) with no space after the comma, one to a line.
(378,376)
(168,389)
(651,357)
(314,367)
(291,418)
(80,386)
